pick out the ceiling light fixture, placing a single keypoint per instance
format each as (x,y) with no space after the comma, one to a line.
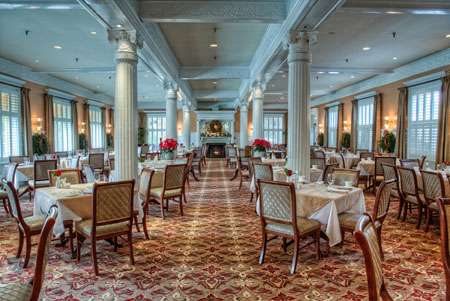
(284,75)
(366,48)
(93,32)
(352,76)
(320,72)
(119,25)
(213,45)
(331,86)
(214,83)
(394,12)
(37,61)
(57,47)
(98,87)
(394,58)
(447,35)
(32,7)
(76,77)
(333,72)
(146,75)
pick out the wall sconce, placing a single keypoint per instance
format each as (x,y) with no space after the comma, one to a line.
(83,127)
(388,123)
(39,124)
(109,128)
(346,126)
(179,130)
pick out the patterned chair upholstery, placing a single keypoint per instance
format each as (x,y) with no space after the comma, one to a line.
(278,217)
(378,177)
(31,290)
(320,154)
(231,156)
(366,155)
(10,175)
(17,159)
(75,162)
(89,173)
(443,205)
(72,176)
(320,162)
(433,188)
(341,175)
(62,154)
(243,170)
(112,216)
(145,149)
(152,156)
(97,161)
(173,187)
(260,172)
(410,191)
(197,159)
(391,173)
(410,163)
(144,195)
(366,236)
(327,170)
(41,168)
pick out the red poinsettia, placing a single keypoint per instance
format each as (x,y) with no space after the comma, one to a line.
(380,154)
(261,145)
(446,163)
(57,173)
(168,145)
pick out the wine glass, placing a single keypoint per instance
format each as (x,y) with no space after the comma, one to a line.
(26,161)
(439,166)
(427,165)
(329,179)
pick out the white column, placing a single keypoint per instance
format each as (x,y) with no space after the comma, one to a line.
(125,102)
(199,129)
(232,130)
(171,113)
(187,123)
(299,60)
(243,139)
(258,111)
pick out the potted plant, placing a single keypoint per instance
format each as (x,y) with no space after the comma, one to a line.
(320,139)
(82,141)
(346,141)
(260,146)
(141,136)
(387,142)
(168,148)
(40,144)
(109,140)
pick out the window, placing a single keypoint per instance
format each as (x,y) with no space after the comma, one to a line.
(332,126)
(273,128)
(62,113)
(95,118)
(156,129)
(364,126)
(423,114)
(11,138)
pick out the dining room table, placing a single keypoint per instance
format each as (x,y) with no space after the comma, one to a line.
(274,161)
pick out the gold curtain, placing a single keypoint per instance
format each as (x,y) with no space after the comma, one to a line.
(75,126)
(443,141)
(325,128)
(104,127)
(354,130)
(340,126)
(376,123)
(49,121)
(143,124)
(26,123)
(111,120)
(402,122)
(87,127)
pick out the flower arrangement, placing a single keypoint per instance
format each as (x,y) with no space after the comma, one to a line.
(446,163)
(346,140)
(261,145)
(387,142)
(141,159)
(53,156)
(350,150)
(57,173)
(168,145)
(288,172)
(79,152)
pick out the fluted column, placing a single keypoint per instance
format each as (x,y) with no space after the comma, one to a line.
(258,112)
(243,139)
(299,60)
(199,130)
(125,102)
(171,113)
(186,123)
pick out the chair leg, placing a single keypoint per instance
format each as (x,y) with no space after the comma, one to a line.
(240,183)
(19,250)
(78,246)
(317,234)
(71,240)
(429,217)
(294,259)
(400,207)
(379,242)
(130,242)
(419,211)
(184,196)
(251,197)
(181,206)
(263,248)
(136,223)
(342,236)
(162,208)
(115,243)
(144,226)
(405,205)
(94,256)
(5,205)
(27,250)
(284,245)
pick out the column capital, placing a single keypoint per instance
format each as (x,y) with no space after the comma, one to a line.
(243,105)
(258,89)
(171,91)
(127,41)
(186,105)
(298,43)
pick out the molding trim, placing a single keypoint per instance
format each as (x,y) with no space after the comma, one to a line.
(95,103)
(215,94)
(366,95)
(431,77)
(333,104)
(60,94)
(215,115)
(11,81)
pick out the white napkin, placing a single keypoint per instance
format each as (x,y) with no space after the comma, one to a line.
(332,189)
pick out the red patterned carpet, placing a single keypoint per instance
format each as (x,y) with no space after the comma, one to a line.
(212,254)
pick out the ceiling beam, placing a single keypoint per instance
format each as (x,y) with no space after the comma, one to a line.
(199,94)
(435,7)
(190,73)
(213,11)
(82,70)
(60,4)
(345,70)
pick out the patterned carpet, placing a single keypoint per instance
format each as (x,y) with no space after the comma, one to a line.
(212,254)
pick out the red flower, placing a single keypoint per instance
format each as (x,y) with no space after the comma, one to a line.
(53,157)
(168,144)
(379,154)
(79,152)
(261,145)
(289,172)
(350,150)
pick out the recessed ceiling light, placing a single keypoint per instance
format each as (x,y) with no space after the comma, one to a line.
(331,86)
(214,83)
(333,72)
(98,87)
(93,32)
(57,47)
(76,77)
(394,58)
(284,75)
(320,72)
(213,45)
(146,75)
(447,35)
(273,85)
(32,7)
(282,97)
(394,12)
(119,25)
(352,76)
(366,48)
(37,61)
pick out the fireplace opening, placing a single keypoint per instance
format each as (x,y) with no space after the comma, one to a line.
(216,150)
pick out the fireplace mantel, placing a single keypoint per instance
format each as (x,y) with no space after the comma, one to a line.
(214,140)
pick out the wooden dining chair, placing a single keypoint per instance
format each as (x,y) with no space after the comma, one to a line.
(391,173)
(62,154)
(320,162)
(72,176)
(28,226)
(341,175)
(17,159)
(41,168)
(152,156)
(230,153)
(278,214)
(31,290)
(422,161)
(89,174)
(433,188)
(10,176)
(378,175)
(410,163)
(145,181)
(410,191)
(97,162)
(320,154)
(112,216)
(172,189)
(327,170)
(443,205)
(145,149)
(197,159)
(243,172)
(366,236)
(261,172)
(366,156)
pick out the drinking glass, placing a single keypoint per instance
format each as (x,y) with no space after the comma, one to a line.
(329,179)
(26,161)
(439,166)
(427,165)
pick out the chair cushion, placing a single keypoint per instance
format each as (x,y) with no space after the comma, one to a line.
(245,173)
(433,206)
(168,193)
(39,183)
(304,225)
(413,199)
(348,220)
(16,291)
(85,226)
(35,222)
(394,193)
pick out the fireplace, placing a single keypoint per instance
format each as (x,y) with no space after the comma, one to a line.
(215,150)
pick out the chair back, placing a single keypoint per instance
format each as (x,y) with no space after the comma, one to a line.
(145,149)
(17,159)
(366,236)
(391,173)
(11,173)
(278,155)
(379,161)
(197,153)
(62,154)
(72,176)
(97,160)
(113,203)
(366,155)
(89,173)
(35,157)
(410,163)
(433,185)
(231,152)
(14,202)
(443,205)
(319,154)
(341,175)
(151,156)
(277,203)
(145,184)
(381,207)
(241,153)
(248,151)
(174,176)
(422,161)
(181,161)
(75,162)
(262,172)
(112,164)
(42,252)
(327,170)
(320,162)
(408,180)
(41,168)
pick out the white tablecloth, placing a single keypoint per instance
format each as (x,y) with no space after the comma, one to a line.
(280,175)
(274,162)
(315,202)
(69,207)
(24,173)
